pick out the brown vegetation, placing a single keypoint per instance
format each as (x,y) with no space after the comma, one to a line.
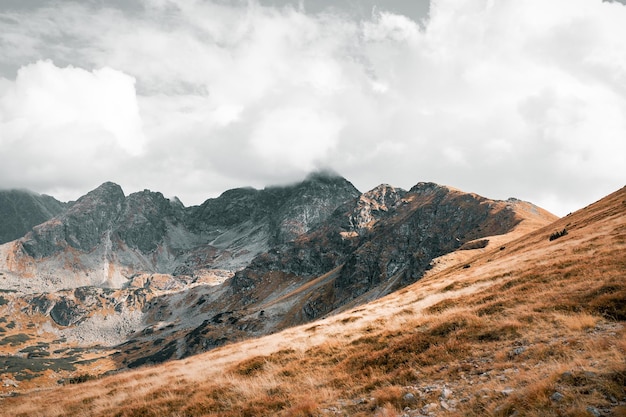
(533,329)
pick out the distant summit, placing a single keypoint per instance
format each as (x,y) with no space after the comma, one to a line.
(81,226)
(323,175)
(20,210)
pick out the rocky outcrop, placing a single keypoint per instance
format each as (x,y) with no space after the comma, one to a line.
(21,210)
(145,219)
(81,227)
(373,206)
(66,312)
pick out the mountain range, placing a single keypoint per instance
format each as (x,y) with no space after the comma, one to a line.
(423,302)
(143,279)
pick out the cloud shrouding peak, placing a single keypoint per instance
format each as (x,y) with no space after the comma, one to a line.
(190,98)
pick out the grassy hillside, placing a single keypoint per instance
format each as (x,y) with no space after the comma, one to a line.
(534,327)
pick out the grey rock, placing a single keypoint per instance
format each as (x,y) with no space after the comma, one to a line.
(81,226)
(446,405)
(285,212)
(66,312)
(144,219)
(557,396)
(594,411)
(382,241)
(409,398)
(519,350)
(373,206)
(21,210)
(428,408)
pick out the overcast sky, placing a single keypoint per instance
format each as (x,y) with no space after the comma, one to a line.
(504,98)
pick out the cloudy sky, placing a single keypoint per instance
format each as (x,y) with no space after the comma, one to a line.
(192,97)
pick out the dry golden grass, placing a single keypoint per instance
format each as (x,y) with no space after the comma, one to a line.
(535,329)
(578,321)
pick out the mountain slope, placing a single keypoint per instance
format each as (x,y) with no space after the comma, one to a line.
(533,328)
(370,246)
(21,210)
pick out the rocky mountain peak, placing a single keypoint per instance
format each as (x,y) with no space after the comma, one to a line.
(307,204)
(146,202)
(385,196)
(105,189)
(427,188)
(373,205)
(283,211)
(143,221)
(81,226)
(175,201)
(231,207)
(20,210)
(107,194)
(324,176)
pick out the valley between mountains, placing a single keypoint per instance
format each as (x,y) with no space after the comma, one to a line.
(312,299)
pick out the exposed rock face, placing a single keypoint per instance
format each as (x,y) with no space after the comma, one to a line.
(434,221)
(66,312)
(80,227)
(145,219)
(89,315)
(381,241)
(105,238)
(21,210)
(309,203)
(374,205)
(283,213)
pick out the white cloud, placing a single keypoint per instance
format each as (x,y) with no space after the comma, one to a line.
(505,98)
(45,98)
(390,27)
(295,137)
(61,126)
